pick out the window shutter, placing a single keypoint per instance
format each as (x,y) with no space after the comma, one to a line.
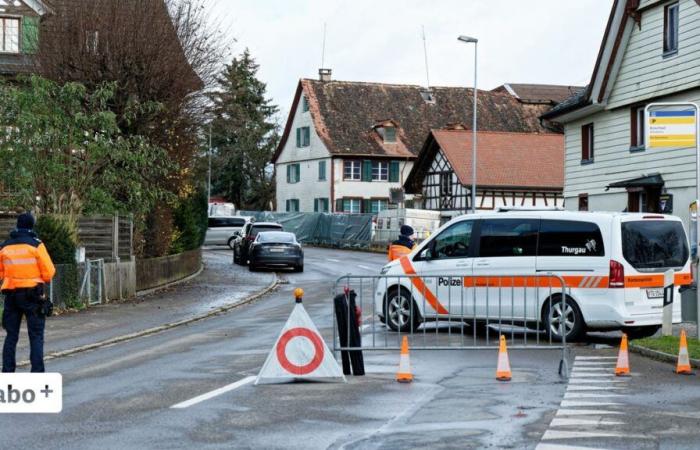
(321,170)
(297,169)
(367,170)
(339,205)
(633,127)
(289,174)
(30,35)
(315,205)
(298,137)
(394,171)
(307,136)
(585,156)
(287,206)
(366,206)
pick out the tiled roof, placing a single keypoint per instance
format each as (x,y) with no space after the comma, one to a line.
(344,114)
(515,160)
(539,93)
(578,99)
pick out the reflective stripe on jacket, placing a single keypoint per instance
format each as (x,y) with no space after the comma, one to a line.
(24,261)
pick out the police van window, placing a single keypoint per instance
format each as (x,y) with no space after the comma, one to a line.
(454,241)
(569,238)
(654,244)
(508,237)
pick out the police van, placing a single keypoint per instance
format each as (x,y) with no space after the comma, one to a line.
(494,267)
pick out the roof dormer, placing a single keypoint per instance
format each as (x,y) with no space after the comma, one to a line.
(388,130)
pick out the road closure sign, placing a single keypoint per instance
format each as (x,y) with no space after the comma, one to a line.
(672,128)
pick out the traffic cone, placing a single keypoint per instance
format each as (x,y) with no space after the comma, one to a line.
(404,374)
(503,369)
(622,369)
(683,366)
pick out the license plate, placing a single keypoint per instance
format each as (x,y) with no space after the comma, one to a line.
(655,293)
(277,250)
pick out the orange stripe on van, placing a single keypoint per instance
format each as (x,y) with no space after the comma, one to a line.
(644,281)
(682,279)
(509,281)
(421,287)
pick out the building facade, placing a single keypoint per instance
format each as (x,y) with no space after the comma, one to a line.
(513,170)
(350,146)
(650,53)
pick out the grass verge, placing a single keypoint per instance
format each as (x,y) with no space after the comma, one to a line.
(669,344)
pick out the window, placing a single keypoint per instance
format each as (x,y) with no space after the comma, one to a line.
(583,202)
(352,205)
(568,238)
(352,170)
(303,137)
(671,29)
(453,242)
(390,134)
(637,128)
(380,171)
(446,184)
(508,237)
(321,171)
(293,173)
(304,104)
(9,28)
(321,205)
(378,204)
(293,205)
(654,244)
(222,222)
(587,143)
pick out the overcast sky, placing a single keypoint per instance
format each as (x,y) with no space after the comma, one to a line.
(535,41)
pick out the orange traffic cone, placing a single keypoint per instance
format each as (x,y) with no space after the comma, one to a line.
(404,375)
(503,368)
(622,369)
(683,366)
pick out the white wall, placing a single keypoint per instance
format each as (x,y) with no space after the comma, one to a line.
(364,189)
(309,187)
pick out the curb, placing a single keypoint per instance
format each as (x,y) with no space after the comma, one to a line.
(660,356)
(155,330)
(153,290)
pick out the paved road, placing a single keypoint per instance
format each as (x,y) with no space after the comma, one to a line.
(120,396)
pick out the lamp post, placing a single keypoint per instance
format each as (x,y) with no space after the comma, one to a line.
(475,41)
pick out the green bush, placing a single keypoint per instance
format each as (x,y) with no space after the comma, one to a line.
(190,223)
(59,235)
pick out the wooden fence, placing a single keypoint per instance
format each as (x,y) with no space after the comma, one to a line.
(155,272)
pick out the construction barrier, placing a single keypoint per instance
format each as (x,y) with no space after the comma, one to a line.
(448,312)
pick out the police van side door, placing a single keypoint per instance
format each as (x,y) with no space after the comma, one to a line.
(447,261)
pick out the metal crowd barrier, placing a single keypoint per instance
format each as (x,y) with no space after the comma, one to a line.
(449,312)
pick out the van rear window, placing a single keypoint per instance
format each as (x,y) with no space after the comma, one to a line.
(569,238)
(258,229)
(654,244)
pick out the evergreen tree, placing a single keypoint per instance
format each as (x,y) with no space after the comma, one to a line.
(244,136)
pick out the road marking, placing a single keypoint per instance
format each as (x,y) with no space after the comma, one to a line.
(214,393)
(570,395)
(561,434)
(556,422)
(593,358)
(592,369)
(593,388)
(570,404)
(577,374)
(586,412)
(577,381)
(333,260)
(365,267)
(543,446)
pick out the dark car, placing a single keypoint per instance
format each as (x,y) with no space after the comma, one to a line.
(247,237)
(276,249)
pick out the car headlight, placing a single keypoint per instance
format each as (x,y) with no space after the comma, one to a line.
(384,270)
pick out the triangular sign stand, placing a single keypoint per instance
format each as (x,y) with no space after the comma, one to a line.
(300,354)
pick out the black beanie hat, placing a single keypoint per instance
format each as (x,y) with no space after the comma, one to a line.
(25,221)
(406,230)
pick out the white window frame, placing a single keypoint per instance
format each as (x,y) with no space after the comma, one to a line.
(355,170)
(380,171)
(671,28)
(4,37)
(351,203)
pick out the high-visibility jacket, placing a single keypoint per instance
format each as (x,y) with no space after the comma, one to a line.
(396,251)
(24,261)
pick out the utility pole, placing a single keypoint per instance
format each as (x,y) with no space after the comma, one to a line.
(471,40)
(209,176)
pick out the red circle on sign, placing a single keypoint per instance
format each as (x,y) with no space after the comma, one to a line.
(282,351)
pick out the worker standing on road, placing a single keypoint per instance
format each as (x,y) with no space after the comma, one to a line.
(25,267)
(404,244)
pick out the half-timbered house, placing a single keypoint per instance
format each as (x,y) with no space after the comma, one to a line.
(513,170)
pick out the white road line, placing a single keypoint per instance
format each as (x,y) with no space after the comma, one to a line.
(586,412)
(577,381)
(593,388)
(560,434)
(365,267)
(594,358)
(577,374)
(214,393)
(570,395)
(592,369)
(556,422)
(594,363)
(333,260)
(543,446)
(571,404)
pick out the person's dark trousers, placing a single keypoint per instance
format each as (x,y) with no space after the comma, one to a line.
(16,306)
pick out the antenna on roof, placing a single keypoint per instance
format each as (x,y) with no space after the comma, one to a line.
(323,49)
(425,53)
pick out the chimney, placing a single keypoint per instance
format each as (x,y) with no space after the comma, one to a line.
(324,74)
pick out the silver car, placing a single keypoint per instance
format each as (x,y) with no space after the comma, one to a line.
(222,230)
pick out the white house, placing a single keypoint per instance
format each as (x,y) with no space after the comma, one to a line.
(346,145)
(650,53)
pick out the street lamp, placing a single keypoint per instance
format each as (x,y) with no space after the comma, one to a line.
(475,41)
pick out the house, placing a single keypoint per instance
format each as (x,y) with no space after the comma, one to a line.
(20,22)
(650,53)
(347,146)
(513,170)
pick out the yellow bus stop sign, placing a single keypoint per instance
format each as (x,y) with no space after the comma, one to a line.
(672,129)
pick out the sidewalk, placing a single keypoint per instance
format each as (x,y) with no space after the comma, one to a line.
(221,284)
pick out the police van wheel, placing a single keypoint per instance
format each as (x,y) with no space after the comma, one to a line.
(400,311)
(569,315)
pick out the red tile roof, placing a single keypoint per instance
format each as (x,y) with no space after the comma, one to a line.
(515,160)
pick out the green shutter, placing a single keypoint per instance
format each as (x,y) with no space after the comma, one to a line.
(367,170)
(366,206)
(322,170)
(30,35)
(297,169)
(315,205)
(289,173)
(287,206)
(394,171)
(339,205)
(298,137)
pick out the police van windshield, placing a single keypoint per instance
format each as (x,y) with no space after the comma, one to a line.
(654,244)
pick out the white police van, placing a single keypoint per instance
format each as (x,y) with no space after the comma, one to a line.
(491,266)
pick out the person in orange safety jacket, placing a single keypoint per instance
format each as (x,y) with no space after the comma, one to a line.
(25,267)
(403,245)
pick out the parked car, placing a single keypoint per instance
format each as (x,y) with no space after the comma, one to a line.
(247,236)
(613,265)
(222,229)
(276,249)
